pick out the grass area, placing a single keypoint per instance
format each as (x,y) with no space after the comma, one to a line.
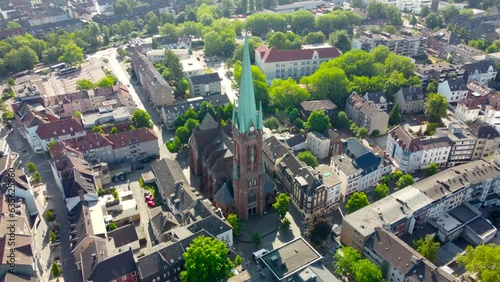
(154,191)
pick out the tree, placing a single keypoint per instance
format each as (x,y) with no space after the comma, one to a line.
(433,21)
(301,20)
(428,247)
(37,178)
(113,130)
(52,143)
(366,271)
(206,259)
(213,43)
(238,260)
(341,120)
(234,221)
(11,81)
(314,38)
(107,81)
(318,121)
(287,93)
(281,205)
(97,129)
(390,29)
(13,25)
(205,108)
(183,134)
(285,224)
(175,145)
(272,123)
(361,132)
(328,82)
(319,226)
(256,237)
(31,167)
(308,158)
(397,175)
(395,115)
(432,169)
(112,226)
(448,13)
(341,40)
(381,190)
(425,11)
(345,260)
(85,84)
(405,181)
(435,107)
(49,216)
(71,54)
(141,118)
(356,201)
(432,86)
(53,236)
(55,269)
(483,260)
(413,20)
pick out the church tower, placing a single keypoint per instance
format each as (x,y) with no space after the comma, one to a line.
(248,169)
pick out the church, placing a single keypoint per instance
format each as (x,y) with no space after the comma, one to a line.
(227,160)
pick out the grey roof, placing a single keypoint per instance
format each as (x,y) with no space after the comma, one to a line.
(162,220)
(224,195)
(463,213)
(412,93)
(181,108)
(318,105)
(91,256)
(291,163)
(376,97)
(124,235)
(205,78)
(457,84)
(295,140)
(483,130)
(212,224)
(481,66)
(311,181)
(354,148)
(10,277)
(359,103)
(274,148)
(113,267)
(480,226)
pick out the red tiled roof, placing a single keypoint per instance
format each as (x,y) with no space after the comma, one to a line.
(127,138)
(273,55)
(87,142)
(51,129)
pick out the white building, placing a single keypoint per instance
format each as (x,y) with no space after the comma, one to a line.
(156,55)
(283,64)
(481,104)
(481,71)
(405,44)
(318,144)
(192,67)
(413,6)
(454,90)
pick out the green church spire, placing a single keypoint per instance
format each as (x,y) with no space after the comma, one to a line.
(247,110)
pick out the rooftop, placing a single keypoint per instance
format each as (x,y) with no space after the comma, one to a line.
(290,258)
(205,78)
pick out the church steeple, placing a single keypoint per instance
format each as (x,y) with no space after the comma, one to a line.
(246,112)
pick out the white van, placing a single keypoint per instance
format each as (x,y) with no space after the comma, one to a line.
(258,254)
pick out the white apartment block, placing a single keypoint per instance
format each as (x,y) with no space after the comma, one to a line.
(156,55)
(482,71)
(283,64)
(404,44)
(454,90)
(412,6)
(318,144)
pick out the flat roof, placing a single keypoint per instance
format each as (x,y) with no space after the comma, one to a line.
(463,213)
(290,258)
(191,65)
(328,175)
(447,222)
(481,227)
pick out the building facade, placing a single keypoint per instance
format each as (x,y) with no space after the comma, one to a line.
(318,144)
(454,90)
(405,44)
(411,100)
(366,115)
(205,85)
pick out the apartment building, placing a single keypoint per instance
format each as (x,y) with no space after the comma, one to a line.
(405,44)
(366,114)
(156,55)
(410,6)
(462,142)
(477,104)
(438,72)
(407,210)
(185,42)
(411,100)
(378,99)
(482,71)
(272,151)
(192,67)
(205,85)
(283,64)
(358,168)
(327,106)
(488,140)
(403,149)
(318,144)
(453,89)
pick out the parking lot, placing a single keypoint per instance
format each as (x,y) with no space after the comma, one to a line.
(62,84)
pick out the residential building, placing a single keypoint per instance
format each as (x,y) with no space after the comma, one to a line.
(405,44)
(192,67)
(410,6)
(205,85)
(481,71)
(283,64)
(411,100)
(156,55)
(434,150)
(438,41)
(161,223)
(407,210)
(47,16)
(326,106)
(272,151)
(453,89)
(461,140)
(462,53)
(5,157)
(335,140)
(107,116)
(378,99)
(367,115)
(488,140)
(97,266)
(155,86)
(477,105)
(304,5)
(170,113)
(438,72)
(318,144)
(185,42)
(358,168)
(297,142)
(21,186)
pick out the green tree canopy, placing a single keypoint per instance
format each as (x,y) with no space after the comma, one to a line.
(97,129)
(234,221)
(381,190)
(432,169)
(31,167)
(318,121)
(206,259)
(314,38)
(319,226)
(428,247)
(206,108)
(71,54)
(342,120)
(272,123)
(345,260)
(281,205)
(356,201)
(405,181)
(113,130)
(366,271)
(483,260)
(395,116)
(308,158)
(435,107)
(287,93)
(141,118)
(85,84)
(340,39)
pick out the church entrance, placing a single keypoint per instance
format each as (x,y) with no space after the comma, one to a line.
(252,211)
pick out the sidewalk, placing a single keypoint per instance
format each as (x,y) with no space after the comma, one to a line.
(266,225)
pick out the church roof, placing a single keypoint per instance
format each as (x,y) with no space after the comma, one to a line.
(246,112)
(225,196)
(208,122)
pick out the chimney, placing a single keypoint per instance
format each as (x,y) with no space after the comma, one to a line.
(218,117)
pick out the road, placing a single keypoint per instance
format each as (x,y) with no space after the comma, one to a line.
(18,144)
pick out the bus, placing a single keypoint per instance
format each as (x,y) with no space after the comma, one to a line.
(42,70)
(67,70)
(58,66)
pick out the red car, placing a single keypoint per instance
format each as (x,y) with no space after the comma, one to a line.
(148,198)
(151,204)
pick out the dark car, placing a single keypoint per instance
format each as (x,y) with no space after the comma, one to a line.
(144,161)
(139,167)
(122,177)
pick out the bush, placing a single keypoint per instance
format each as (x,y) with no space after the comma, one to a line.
(53,236)
(256,237)
(37,177)
(112,226)
(56,269)
(49,216)
(375,133)
(285,224)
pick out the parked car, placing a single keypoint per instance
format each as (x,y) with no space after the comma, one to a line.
(148,198)
(122,177)
(139,167)
(145,161)
(151,204)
